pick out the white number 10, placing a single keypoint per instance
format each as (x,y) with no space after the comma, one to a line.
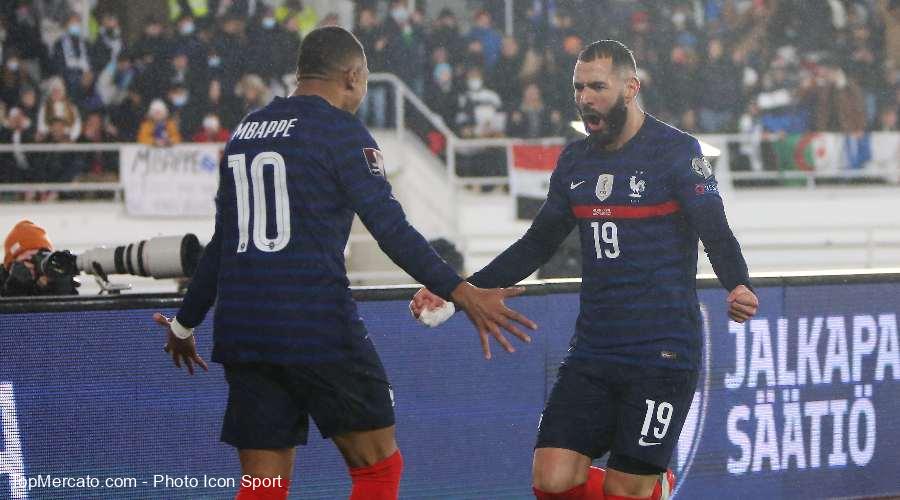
(238,166)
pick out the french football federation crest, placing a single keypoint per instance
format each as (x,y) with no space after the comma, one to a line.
(701,167)
(604,186)
(375,160)
(637,185)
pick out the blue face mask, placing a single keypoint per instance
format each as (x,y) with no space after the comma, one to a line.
(75,29)
(187,29)
(268,22)
(215,62)
(179,100)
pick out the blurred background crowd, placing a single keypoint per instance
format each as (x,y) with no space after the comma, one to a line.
(195,69)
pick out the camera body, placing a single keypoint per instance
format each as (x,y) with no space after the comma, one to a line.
(45,273)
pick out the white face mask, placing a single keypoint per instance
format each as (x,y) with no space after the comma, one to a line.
(211,123)
(400,15)
(474,84)
(12,65)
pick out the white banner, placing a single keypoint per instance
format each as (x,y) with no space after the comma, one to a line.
(175,181)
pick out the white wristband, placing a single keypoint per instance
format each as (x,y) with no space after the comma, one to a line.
(180,330)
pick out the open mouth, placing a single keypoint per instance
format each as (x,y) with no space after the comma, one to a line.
(593,121)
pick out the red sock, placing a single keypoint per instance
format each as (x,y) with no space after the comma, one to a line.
(596,476)
(276,492)
(592,489)
(380,481)
(576,493)
(668,488)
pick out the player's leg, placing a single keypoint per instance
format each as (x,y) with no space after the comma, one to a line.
(559,473)
(375,463)
(576,425)
(265,421)
(655,403)
(352,403)
(268,473)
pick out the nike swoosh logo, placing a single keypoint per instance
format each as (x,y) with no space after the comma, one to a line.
(645,443)
(576,184)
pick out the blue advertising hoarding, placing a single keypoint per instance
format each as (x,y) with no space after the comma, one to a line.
(800,402)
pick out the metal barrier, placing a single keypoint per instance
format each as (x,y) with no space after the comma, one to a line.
(749,157)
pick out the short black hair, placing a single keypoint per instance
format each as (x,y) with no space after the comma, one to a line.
(622,57)
(325,50)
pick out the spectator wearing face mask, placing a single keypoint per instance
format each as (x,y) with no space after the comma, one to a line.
(273,48)
(182,109)
(440,90)
(405,51)
(158,129)
(478,112)
(180,73)
(109,43)
(187,41)
(23,32)
(70,55)
(13,76)
(211,131)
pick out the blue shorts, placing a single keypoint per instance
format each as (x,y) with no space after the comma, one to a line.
(633,412)
(269,405)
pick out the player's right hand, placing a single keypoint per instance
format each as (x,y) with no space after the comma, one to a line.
(486,310)
(181,349)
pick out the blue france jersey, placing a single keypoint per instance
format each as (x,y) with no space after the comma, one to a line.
(291,178)
(639,211)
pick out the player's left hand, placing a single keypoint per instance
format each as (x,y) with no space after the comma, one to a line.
(742,304)
(181,349)
(424,299)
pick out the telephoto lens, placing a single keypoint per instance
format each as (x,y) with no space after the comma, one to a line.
(160,257)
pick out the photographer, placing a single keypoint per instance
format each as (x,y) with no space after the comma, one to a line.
(31,267)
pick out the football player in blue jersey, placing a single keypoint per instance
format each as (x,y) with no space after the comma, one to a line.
(640,193)
(285,326)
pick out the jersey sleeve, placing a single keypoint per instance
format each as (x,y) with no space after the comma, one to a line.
(360,173)
(550,227)
(697,191)
(201,293)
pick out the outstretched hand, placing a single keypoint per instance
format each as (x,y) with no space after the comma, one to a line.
(182,350)
(742,304)
(486,310)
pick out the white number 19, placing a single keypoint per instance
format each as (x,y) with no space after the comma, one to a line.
(663,416)
(609,234)
(238,166)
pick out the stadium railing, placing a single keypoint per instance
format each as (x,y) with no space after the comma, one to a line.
(752,160)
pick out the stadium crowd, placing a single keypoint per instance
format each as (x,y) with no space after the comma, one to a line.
(770,66)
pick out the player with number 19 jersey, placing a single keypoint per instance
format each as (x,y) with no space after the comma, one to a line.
(640,211)
(291,178)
